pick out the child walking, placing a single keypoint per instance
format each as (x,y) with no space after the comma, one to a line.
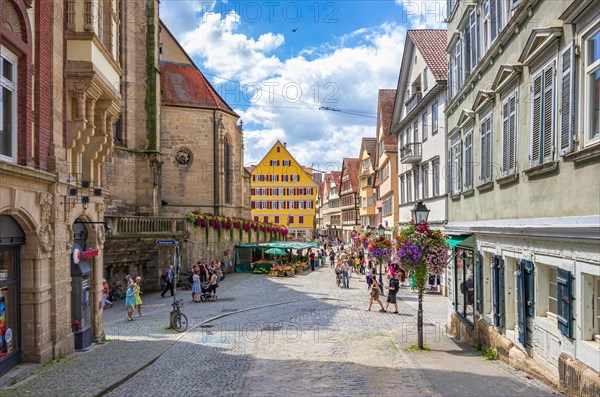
(130,301)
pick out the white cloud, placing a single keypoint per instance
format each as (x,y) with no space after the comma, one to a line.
(345,75)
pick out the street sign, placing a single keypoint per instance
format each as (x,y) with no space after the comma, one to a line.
(166,242)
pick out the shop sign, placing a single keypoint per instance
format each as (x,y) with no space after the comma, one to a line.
(77,254)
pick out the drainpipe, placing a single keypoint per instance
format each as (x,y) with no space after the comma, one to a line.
(216,163)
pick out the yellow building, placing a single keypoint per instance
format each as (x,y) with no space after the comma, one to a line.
(283,193)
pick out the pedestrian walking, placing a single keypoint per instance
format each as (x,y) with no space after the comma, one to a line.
(393,290)
(130,301)
(375,292)
(369,273)
(196,287)
(138,292)
(311,256)
(105,292)
(331,258)
(346,274)
(129,280)
(168,282)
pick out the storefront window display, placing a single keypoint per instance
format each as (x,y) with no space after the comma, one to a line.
(465,283)
(11,239)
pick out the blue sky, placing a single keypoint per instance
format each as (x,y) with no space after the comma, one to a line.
(340,54)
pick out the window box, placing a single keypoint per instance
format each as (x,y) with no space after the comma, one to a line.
(541,169)
(455,196)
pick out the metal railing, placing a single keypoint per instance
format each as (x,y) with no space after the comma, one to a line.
(410,150)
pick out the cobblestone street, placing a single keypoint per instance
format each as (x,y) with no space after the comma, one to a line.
(300,336)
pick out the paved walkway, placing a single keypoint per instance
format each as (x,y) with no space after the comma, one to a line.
(300,336)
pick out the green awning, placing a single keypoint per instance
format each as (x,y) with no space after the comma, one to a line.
(455,240)
(281,244)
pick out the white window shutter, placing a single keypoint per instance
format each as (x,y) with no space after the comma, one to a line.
(512,136)
(536,122)
(459,167)
(505,136)
(548,122)
(567,100)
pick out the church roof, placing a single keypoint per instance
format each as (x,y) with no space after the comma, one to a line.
(184,85)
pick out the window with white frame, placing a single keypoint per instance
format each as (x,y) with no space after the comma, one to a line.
(425,80)
(264,205)
(281,205)
(274,192)
(425,179)
(402,190)
(8,108)
(257,205)
(509,133)
(434,118)
(416,183)
(468,160)
(547,292)
(474,41)
(456,167)
(290,191)
(485,151)
(590,307)
(300,205)
(280,191)
(292,205)
(542,116)
(294,178)
(274,205)
(274,163)
(416,131)
(409,196)
(286,163)
(436,177)
(264,192)
(424,126)
(456,65)
(592,85)
(408,136)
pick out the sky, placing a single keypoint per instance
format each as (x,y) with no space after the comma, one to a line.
(303,72)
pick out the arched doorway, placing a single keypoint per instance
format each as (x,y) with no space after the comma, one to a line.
(81,274)
(12,237)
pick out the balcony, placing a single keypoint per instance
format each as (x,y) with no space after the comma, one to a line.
(410,153)
(127,226)
(413,101)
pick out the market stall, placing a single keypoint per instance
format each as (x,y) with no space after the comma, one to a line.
(276,258)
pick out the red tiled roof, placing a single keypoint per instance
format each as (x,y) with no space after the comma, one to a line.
(321,190)
(336,178)
(184,85)
(250,168)
(431,43)
(350,168)
(385,111)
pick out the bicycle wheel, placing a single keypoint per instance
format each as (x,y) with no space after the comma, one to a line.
(179,322)
(117,296)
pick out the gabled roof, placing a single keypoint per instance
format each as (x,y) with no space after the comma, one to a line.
(385,110)
(184,85)
(250,168)
(350,167)
(431,43)
(369,145)
(335,175)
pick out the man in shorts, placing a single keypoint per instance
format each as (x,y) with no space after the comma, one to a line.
(393,290)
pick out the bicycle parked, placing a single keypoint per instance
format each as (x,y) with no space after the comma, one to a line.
(179,321)
(115,293)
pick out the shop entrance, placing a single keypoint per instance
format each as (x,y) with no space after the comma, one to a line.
(12,237)
(81,272)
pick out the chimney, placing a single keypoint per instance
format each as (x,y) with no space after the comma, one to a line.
(285,144)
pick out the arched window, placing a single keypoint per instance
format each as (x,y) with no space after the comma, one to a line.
(227,169)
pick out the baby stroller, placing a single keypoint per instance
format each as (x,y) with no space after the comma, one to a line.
(338,277)
(204,293)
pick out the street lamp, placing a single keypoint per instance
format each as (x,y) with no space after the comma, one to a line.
(420,213)
(380,233)
(369,229)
